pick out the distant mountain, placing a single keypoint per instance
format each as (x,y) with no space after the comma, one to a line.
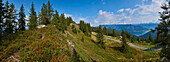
(148,25)
(133,29)
(146,35)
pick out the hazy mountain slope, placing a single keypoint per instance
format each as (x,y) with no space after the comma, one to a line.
(133,29)
(146,35)
(148,25)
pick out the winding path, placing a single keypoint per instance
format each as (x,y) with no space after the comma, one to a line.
(139,47)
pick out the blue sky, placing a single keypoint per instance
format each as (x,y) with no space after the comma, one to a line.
(99,12)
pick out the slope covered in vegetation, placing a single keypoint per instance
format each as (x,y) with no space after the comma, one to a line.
(50,44)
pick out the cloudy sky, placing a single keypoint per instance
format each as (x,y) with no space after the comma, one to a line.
(99,12)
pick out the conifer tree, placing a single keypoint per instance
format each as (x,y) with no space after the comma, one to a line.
(44,15)
(133,39)
(114,33)
(150,37)
(138,39)
(22,20)
(89,28)
(63,22)
(122,32)
(105,30)
(125,46)
(100,39)
(49,11)
(13,17)
(100,30)
(2,11)
(55,19)
(81,25)
(142,39)
(163,30)
(33,18)
(69,20)
(10,17)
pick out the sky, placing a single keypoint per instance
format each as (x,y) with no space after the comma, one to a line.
(101,12)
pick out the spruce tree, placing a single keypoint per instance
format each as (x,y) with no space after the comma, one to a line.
(163,30)
(49,12)
(33,18)
(81,25)
(114,33)
(125,46)
(105,30)
(138,39)
(2,11)
(100,29)
(22,20)
(122,32)
(63,22)
(133,39)
(13,17)
(150,37)
(69,20)
(142,39)
(100,39)
(44,15)
(55,19)
(10,17)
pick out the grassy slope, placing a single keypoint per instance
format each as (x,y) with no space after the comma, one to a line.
(54,47)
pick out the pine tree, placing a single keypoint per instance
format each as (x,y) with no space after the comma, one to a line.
(69,20)
(13,18)
(49,11)
(10,17)
(138,39)
(100,39)
(114,33)
(122,32)
(163,29)
(81,25)
(142,39)
(63,22)
(2,11)
(44,15)
(100,30)
(105,30)
(22,20)
(133,39)
(125,46)
(55,19)
(150,37)
(33,18)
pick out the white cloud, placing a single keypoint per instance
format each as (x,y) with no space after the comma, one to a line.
(67,15)
(121,10)
(128,9)
(77,19)
(144,13)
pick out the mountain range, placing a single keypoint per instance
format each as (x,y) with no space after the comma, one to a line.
(141,30)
